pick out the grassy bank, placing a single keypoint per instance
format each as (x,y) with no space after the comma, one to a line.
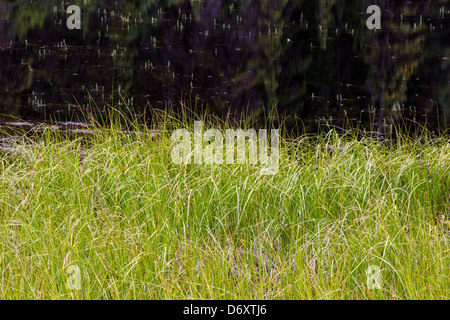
(140,227)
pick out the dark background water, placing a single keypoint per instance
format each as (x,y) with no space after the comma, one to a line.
(313,61)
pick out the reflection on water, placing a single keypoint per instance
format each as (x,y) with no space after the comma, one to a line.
(314,61)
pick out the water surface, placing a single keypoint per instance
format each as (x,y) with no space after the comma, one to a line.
(314,61)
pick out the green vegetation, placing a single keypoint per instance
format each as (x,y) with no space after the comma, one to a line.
(138,226)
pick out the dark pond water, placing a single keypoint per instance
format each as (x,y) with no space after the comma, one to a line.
(314,61)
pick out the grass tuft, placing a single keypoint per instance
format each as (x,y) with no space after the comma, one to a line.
(111,202)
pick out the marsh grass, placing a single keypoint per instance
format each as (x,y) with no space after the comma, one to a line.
(140,227)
